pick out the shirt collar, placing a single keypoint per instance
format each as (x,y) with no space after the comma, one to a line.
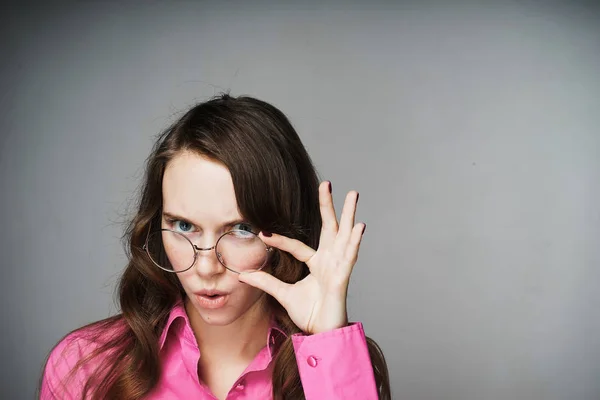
(275,335)
(178,311)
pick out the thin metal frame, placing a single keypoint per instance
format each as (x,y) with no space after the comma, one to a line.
(199,249)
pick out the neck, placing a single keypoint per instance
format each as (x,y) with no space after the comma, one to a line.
(240,340)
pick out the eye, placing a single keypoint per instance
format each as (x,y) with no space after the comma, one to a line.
(244,226)
(181,226)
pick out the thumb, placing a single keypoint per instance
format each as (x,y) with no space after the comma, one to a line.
(265,282)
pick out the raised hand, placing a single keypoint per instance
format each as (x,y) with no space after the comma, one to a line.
(318,302)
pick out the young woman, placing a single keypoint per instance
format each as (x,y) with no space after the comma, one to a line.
(237,276)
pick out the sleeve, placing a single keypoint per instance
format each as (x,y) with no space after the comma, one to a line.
(57,381)
(335,364)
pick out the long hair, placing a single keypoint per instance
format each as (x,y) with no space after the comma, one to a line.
(276,188)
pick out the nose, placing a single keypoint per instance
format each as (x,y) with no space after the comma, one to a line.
(207,264)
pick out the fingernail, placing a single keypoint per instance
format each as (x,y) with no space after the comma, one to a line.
(329,187)
(267,234)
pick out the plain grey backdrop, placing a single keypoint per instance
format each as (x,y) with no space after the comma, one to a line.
(470,129)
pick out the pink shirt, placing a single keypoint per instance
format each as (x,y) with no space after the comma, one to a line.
(332,365)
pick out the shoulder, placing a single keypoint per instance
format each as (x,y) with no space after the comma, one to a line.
(74,358)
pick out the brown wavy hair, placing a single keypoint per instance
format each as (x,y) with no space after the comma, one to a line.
(276,188)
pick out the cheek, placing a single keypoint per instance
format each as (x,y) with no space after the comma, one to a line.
(184,279)
(247,293)
(180,256)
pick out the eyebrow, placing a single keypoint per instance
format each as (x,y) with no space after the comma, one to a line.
(174,216)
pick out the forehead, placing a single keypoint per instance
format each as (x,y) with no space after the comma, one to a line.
(199,189)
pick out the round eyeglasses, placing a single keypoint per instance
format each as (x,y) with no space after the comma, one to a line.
(237,250)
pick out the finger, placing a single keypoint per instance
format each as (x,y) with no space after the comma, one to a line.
(354,243)
(267,283)
(347,219)
(296,248)
(329,220)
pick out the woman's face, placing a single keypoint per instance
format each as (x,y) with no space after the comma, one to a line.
(199,201)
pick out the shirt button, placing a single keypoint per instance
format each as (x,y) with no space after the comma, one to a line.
(240,386)
(312,361)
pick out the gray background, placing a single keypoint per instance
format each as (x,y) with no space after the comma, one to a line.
(471,132)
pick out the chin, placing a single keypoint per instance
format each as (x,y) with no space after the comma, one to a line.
(218,318)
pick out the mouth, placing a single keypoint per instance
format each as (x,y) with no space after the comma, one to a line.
(211,299)
(211,293)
